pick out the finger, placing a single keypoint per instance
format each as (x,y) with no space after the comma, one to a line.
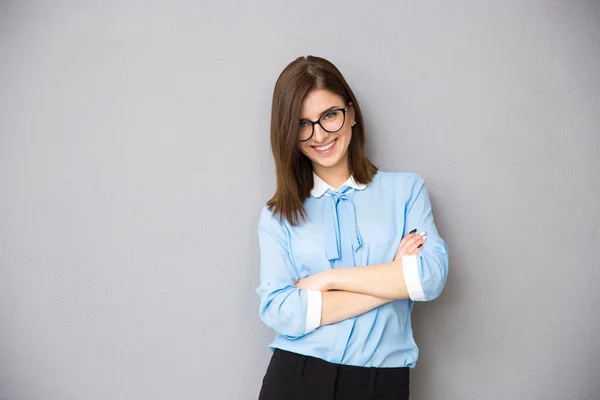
(403,242)
(416,238)
(409,242)
(417,246)
(419,240)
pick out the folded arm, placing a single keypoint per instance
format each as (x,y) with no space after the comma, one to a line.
(295,307)
(341,305)
(381,280)
(293,311)
(420,277)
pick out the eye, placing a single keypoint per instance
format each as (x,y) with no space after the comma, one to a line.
(303,124)
(330,114)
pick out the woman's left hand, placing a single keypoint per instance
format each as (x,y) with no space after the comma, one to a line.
(318,281)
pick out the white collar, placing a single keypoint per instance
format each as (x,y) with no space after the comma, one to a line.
(320,186)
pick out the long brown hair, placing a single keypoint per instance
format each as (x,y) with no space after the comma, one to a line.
(292,167)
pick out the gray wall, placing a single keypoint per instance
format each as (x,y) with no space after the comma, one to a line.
(134,159)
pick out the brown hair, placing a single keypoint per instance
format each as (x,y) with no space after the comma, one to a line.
(292,167)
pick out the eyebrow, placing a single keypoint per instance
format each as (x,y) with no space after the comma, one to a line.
(323,112)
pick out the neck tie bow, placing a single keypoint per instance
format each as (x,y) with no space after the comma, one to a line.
(338,202)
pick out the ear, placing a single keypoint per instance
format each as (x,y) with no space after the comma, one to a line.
(351,111)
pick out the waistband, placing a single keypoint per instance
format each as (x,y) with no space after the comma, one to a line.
(345,374)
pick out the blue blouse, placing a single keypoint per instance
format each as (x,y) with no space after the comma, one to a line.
(354,225)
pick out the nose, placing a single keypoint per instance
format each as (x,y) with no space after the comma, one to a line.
(320,134)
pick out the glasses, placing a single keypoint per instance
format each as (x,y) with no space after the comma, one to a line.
(331,121)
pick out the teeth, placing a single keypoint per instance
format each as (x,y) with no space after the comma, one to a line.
(326,146)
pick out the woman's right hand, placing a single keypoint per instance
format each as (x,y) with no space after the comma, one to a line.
(410,244)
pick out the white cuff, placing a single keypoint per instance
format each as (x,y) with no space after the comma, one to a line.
(411,276)
(313,309)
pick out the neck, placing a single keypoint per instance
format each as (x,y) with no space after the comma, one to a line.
(335,175)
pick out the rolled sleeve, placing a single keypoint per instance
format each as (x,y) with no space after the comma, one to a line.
(313,310)
(411,277)
(426,272)
(290,311)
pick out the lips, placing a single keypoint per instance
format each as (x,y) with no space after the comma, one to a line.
(326,150)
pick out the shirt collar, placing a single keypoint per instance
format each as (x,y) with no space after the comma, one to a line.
(320,186)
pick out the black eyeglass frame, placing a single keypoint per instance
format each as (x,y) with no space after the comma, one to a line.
(313,123)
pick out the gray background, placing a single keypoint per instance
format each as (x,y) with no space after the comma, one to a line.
(134,159)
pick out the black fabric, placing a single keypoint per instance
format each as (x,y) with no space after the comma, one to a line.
(292,376)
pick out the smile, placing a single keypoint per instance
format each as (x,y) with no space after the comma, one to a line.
(325,149)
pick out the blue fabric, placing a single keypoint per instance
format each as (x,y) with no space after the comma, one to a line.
(346,228)
(337,200)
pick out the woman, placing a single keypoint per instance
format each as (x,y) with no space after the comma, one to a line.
(345,249)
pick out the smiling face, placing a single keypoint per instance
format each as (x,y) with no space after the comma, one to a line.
(326,150)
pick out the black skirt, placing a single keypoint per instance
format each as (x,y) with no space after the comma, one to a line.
(292,376)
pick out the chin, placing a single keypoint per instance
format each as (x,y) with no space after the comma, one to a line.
(326,163)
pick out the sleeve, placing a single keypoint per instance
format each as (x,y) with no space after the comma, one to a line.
(290,311)
(426,272)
